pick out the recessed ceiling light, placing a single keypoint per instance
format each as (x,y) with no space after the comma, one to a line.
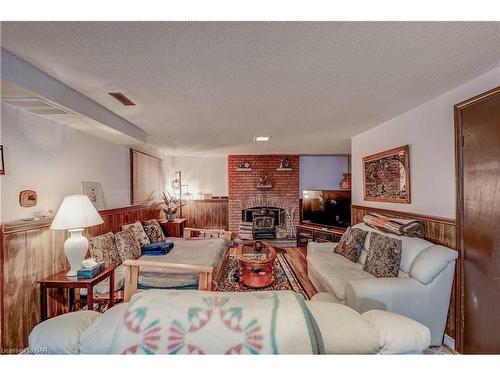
(261,138)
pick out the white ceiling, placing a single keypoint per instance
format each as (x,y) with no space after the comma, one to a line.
(210,87)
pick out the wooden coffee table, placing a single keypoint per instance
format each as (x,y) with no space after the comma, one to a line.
(256,267)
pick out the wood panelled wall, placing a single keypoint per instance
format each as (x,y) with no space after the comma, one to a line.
(29,252)
(438,230)
(207,214)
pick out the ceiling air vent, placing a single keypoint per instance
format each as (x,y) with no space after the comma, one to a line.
(121,98)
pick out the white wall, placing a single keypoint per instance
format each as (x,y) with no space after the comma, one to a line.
(53,160)
(203,174)
(429,130)
(318,172)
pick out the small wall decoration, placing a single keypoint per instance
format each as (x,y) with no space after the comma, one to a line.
(386,176)
(28,198)
(93,190)
(245,166)
(285,164)
(2,165)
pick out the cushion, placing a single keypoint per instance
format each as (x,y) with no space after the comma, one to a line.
(411,247)
(384,256)
(343,330)
(398,334)
(335,272)
(430,262)
(103,248)
(351,243)
(98,336)
(60,335)
(127,245)
(138,231)
(154,231)
(161,248)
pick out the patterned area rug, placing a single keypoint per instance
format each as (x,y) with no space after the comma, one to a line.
(283,275)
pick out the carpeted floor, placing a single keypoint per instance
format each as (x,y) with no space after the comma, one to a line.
(285,279)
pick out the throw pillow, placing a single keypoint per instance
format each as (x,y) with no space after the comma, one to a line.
(138,231)
(127,245)
(351,243)
(103,249)
(154,231)
(384,256)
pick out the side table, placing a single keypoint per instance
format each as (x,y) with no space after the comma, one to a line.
(174,228)
(60,280)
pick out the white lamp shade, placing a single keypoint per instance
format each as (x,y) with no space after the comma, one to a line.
(76,211)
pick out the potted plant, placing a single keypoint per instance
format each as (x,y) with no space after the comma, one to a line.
(170,206)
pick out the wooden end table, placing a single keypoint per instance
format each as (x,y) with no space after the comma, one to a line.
(174,228)
(256,266)
(60,280)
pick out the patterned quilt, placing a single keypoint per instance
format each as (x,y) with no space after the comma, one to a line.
(194,322)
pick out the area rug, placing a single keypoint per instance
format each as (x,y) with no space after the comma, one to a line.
(283,275)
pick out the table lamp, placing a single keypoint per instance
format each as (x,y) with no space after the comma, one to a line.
(75,213)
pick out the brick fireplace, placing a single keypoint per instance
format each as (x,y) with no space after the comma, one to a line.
(246,195)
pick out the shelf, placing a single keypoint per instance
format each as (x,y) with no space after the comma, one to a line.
(244,169)
(284,169)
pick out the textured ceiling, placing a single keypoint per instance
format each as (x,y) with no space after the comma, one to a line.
(210,87)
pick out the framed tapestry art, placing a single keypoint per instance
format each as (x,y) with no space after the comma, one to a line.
(386,176)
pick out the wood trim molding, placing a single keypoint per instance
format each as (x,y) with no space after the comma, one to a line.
(459,270)
(22,225)
(405,214)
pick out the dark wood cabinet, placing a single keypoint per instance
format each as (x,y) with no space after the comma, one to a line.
(174,228)
(308,232)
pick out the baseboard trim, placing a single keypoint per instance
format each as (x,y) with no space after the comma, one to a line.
(449,342)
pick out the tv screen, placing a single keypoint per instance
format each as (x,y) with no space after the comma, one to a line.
(331,208)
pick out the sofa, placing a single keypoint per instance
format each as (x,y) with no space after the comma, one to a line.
(198,250)
(421,291)
(197,322)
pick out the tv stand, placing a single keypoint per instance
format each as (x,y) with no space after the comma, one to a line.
(317,233)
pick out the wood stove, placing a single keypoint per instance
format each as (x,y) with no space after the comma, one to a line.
(264,221)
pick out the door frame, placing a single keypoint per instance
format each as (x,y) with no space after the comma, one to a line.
(459,172)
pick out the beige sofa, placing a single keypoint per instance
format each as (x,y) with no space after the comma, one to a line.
(338,328)
(421,291)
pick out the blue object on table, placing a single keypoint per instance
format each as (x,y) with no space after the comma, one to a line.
(161,248)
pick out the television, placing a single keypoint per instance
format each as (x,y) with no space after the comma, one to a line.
(328,208)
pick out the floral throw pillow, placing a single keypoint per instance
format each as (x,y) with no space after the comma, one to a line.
(138,231)
(127,245)
(351,244)
(154,231)
(103,249)
(384,256)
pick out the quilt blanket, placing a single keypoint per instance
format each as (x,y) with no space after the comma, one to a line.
(194,322)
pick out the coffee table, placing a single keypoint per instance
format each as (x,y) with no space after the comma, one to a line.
(256,266)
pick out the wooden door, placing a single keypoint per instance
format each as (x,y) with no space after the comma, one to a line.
(478,141)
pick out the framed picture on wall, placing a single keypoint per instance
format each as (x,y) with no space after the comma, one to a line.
(93,190)
(146,177)
(2,166)
(386,176)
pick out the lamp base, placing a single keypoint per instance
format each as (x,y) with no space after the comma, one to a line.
(75,249)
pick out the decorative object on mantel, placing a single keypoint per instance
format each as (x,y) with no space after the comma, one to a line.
(170,206)
(264,182)
(244,167)
(285,165)
(2,163)
(75,213)
(386,176)
(345,182)
(28,198)
(93,190)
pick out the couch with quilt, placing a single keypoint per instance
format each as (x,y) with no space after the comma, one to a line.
(146,243)
(373,269)
(200,322)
